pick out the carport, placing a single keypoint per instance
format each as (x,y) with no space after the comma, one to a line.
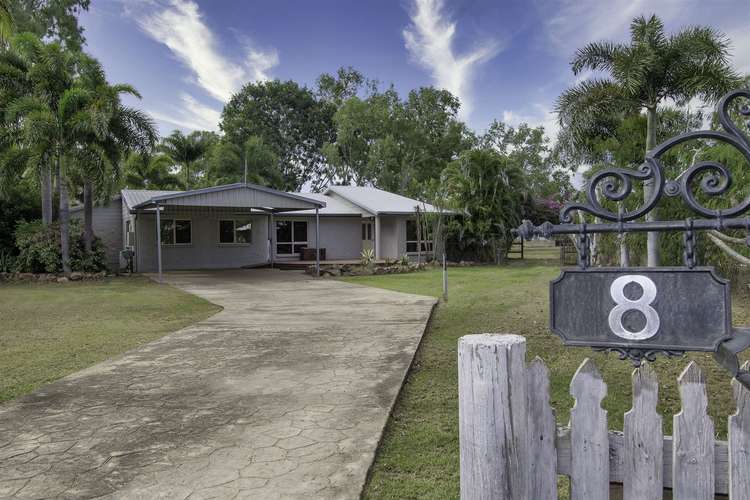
(231,199)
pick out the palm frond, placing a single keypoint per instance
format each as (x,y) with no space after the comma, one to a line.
(7,23)
(595,56)
(125,88)
(648,31)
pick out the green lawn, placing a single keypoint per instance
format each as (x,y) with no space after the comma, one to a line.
(419,454)
(49,331)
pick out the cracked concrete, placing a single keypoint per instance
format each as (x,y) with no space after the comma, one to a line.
(283,394)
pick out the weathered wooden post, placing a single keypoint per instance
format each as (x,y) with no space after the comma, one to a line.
(493,417)
(445,278)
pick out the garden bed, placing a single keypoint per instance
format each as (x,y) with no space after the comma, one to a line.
(51,277)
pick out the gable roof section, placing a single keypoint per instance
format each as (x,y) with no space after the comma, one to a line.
(231,196)
(377,201)
(133,197)
(335,206)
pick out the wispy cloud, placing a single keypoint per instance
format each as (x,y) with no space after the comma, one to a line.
(180,25)
(190,115)
(430,41)
(575,23)
(741,49)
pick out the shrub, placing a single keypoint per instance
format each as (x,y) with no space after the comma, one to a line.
(38,246)
(7,262)
(39,249)
(367,257)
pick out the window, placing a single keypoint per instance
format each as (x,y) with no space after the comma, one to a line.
(235,231)
(367,231)
(129,234)
(176,232)
(291,236)
(412,241)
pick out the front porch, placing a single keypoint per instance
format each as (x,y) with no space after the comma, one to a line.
(289,264)
(220,227)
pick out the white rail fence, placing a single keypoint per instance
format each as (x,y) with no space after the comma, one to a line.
(511,447)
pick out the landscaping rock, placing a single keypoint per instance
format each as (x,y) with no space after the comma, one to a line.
(62,279)
(75,276)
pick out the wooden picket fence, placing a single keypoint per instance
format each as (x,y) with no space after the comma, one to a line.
(512,448)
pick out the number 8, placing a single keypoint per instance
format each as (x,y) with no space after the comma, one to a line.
(624,304)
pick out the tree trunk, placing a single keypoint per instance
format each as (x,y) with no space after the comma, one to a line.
(624,252)
(62,190)
(46,194)
(652,242)
(88,215)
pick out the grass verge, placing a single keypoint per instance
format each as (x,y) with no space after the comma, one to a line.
(418,457)
(49,331)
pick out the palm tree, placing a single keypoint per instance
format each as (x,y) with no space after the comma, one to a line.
(21,76)
(652,68)
(185,150)
(150,171)
(106,131)
(43,117)
(7,23)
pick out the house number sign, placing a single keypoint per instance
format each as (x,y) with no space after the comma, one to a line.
(640,313)
(650,309)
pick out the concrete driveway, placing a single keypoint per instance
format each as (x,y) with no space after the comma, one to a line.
(283,394)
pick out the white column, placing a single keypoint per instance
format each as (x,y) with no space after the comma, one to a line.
(271,230)
(377,237)
(317,242)
(158,239)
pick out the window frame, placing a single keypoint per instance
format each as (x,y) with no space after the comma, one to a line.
(129,229)
(234,241)
(427,245)
(292,242)
(174,231)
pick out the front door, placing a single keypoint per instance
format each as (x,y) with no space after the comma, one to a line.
(367,236)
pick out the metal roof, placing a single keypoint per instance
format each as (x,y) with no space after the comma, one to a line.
(79,207)
(133,197)
(334,207)
(238,195)
(377,201)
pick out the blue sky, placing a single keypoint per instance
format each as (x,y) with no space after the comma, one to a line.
(506,60)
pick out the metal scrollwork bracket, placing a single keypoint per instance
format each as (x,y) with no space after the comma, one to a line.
(707,178)
(726,354)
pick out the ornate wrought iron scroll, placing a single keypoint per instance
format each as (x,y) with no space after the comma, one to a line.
(710,178)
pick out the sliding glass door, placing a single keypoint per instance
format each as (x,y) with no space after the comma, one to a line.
(291,237)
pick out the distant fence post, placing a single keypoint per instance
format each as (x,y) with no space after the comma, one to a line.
(492,417)
(445,278)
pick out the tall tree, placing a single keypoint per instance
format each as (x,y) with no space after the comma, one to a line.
(396,144)
(26,69)
(150,171)
(289,119)
(652,68)
(345,84)
(529,148)
(489,188)
(254,162)
(106,131)
(7,23)
(186,151)
(56,20)
(44,116)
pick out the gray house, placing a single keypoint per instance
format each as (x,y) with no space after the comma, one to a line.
(240,225)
